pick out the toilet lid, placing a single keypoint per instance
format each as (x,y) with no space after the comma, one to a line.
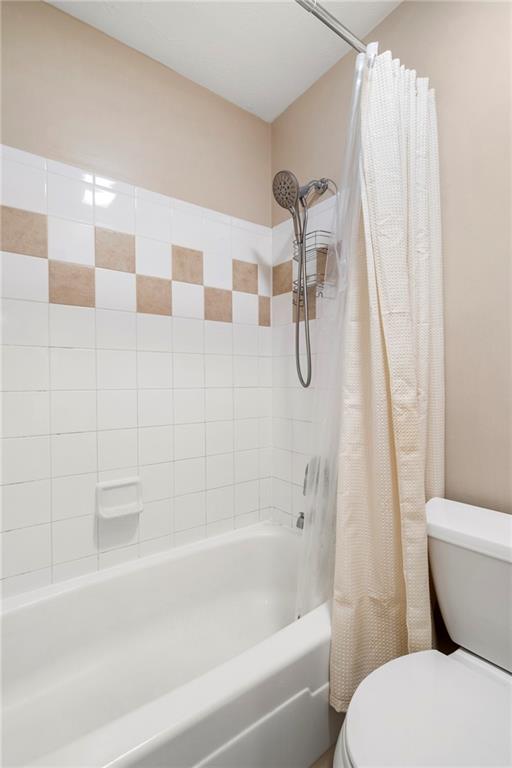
(428,709)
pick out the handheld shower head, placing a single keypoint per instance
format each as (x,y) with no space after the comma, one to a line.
(286,193)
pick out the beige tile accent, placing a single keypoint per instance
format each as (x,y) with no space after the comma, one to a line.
(311,306)
(264,310)
(245,276)
(23,232)
(153,295)
(187,265)
(114,250)
(218,305)
(282,278)
(71,284)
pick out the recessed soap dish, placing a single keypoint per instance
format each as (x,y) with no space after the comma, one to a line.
(119,498)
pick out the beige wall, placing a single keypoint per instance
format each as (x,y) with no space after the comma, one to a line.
(464,47)
(71,93)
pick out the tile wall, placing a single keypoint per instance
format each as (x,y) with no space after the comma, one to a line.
(136,341)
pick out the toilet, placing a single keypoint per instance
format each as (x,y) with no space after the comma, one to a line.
(430,709)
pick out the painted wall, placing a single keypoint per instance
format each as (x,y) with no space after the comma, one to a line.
(71,93)
(465,49)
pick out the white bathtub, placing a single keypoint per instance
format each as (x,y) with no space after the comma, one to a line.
(188,658)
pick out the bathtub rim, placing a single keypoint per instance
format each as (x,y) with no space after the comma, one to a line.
(261,529)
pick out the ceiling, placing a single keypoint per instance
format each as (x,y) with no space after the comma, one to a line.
(259,55)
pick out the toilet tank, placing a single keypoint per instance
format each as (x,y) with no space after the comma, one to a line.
(470,554)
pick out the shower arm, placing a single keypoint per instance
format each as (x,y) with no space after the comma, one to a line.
(312,6)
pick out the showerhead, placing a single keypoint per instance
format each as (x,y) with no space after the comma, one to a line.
(286,190)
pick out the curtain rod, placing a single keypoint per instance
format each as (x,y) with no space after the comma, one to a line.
(332,22)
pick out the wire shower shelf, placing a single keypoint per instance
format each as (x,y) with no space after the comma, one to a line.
(316,245)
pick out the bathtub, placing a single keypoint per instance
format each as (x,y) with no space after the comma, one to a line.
(186,658)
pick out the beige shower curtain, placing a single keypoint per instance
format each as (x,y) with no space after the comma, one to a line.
(392,426)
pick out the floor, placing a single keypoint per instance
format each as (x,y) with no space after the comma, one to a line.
(325,761)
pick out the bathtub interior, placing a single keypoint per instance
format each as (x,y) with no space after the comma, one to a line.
(79,656)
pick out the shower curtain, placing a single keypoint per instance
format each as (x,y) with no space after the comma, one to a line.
(385,456)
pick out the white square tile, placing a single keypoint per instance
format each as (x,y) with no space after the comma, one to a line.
(153,257)
(26,549)
(71,171)
(246,466)
(20,156)
(117,448)
(155,407)
(73,496)
(265,462)
(73,411)
(74,538)
(70,199)
(23,186)
(246,434)
(154,333)
(153,221)
(24,277)
(265,432)
(157,481)
(245,308)
(25,504)
(115,330)
(70,241)
(115,290)
(189,476)
(155,198)
(25,458)
(114,185)
(154,546)
(265,492)
(154,370)
(188,406)
(247,403)
(265,341)
(188,335)
(190,536)
(265,371)
(245,340)
(219,370)
(247,518)
(156,520)
(117,369)
(72,368)
(189,441)
(218,270)
(189,511)
(187,300)
(219,404)
(264,280)
(281,308)
(218,338)
(246,497)
(155,445)
(26,582)
(25,414)
(72,326)
(114,210)
(246,371)
(24,322)
(118,556)
(219,437)
(187,229)
(220,504)
(73,454)
(219,527)
(75,568)
(117,409)
(188,371)
(25,368)
(219,470)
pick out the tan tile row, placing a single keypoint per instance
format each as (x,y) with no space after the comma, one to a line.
(26,233)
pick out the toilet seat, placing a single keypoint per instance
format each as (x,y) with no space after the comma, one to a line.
(428,709)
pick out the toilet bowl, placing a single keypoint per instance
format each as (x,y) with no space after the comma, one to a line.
(430,709)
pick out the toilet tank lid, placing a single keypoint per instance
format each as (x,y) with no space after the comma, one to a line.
(481,530)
